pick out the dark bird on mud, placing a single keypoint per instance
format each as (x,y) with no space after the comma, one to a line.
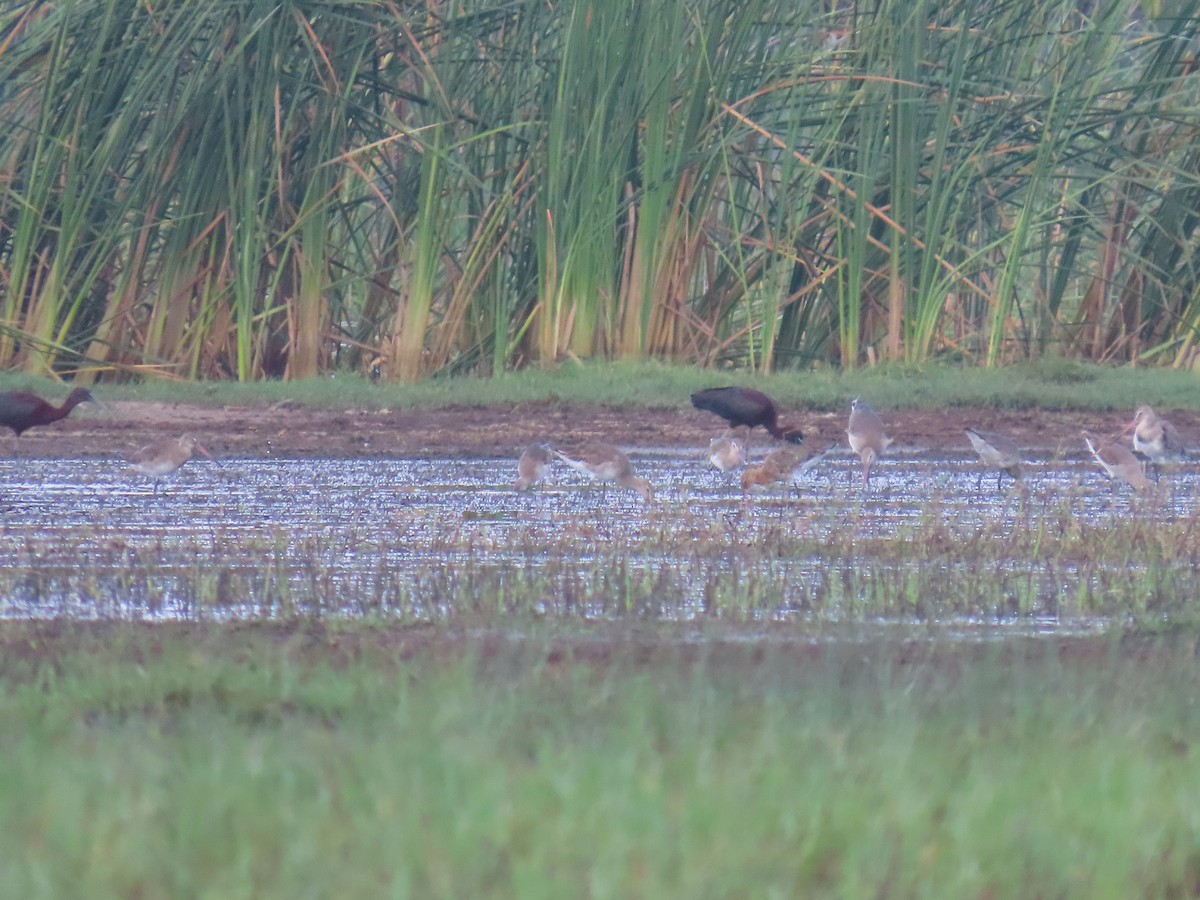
(998,451)
(164,457)
(740,406)
(604,462)
(867,437)
(21,410)
(532,466)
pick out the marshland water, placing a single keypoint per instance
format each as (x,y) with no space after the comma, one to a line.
(929,542)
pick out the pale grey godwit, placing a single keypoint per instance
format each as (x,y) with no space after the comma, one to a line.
(997,451)
(532,466)
(727,452)
(866,435)
(1117,460)
(604,462)
(1155,438)
(164,457)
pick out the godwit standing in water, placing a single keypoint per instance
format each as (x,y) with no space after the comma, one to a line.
(1118,461)
(604,462)
(727,452)
(867,437)
(21,410)
(997,451)
(740,406)
(781,464)
(1155,438)
(532,466)
(161,458)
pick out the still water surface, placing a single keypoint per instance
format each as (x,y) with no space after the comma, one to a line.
(253,537)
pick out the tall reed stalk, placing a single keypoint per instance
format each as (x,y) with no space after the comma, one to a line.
(243,189)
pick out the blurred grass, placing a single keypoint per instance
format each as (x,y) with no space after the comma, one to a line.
(369,760)
(1053,383)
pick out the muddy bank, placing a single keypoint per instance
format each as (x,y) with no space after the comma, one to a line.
(292,430)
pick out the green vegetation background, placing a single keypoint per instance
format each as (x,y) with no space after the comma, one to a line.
(241,189)
(1052,383)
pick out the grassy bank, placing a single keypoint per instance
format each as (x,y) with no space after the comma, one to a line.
(367,761)
(1049,384)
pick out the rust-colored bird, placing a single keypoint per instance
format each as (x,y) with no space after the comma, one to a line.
(781,464)
(745,406)
(161,458)
(21,410)
(866,435)
(997,451)
(1118,461)
(604,462)
(532,466)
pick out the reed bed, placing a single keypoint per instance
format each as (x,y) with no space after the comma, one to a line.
(240,190)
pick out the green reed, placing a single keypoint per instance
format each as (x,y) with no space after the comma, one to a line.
(244,190)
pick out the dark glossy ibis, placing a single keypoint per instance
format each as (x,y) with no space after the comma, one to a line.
(741,406)
(21,410)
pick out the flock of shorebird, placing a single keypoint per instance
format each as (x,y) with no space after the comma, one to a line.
(1154,442)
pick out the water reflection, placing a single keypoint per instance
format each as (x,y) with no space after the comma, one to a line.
(426,538)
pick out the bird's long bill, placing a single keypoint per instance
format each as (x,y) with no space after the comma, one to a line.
(202,451)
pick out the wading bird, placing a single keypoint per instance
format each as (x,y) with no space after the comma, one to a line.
(532,466)
(727,452)
(740,406)
(997,451)
(603,463)
(781,464)
(1154,438)
(21,410)
(161,458)
(866,435)
(1118,461)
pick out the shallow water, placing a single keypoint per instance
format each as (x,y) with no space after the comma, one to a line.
(428,539)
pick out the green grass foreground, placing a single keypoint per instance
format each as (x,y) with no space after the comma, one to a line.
(1053,383)
(366,760)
